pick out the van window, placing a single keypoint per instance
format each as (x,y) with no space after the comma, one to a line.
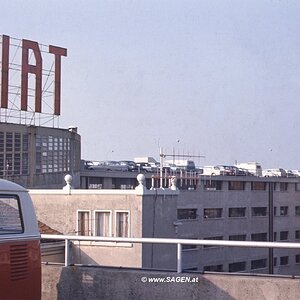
(10,215)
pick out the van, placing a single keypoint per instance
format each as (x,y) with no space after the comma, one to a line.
(183,164)
(20,256)
(253,167)
(211,171)
(274,173)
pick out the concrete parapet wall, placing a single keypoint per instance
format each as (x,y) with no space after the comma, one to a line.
(108,283)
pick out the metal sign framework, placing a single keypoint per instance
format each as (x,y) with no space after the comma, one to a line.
(30,82)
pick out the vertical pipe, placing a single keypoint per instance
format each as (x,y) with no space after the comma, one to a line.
(271,226)
(161,156)
(179,258)
(67,252)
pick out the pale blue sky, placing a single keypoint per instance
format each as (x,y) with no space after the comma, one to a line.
(223,77)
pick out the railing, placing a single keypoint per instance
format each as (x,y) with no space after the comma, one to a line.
(178,242)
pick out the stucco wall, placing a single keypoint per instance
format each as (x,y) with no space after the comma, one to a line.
(151,215)
(60,213)
(104,283)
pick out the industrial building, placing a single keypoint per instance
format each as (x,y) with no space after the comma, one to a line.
(39,157)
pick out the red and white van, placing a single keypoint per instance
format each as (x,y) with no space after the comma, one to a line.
(20,257)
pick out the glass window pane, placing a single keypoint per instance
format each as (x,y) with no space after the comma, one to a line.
(122,226)
(102,223)
(10,216)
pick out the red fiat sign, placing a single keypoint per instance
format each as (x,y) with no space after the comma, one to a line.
(33,49)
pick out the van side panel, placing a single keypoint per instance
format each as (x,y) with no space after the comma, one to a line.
(20,265)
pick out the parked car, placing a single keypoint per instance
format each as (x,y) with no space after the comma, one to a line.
(226,170)
(246,172)
(290,174)
(99,166)
(253,167)
(112,165)
(211,171)
(238,171)
(131,165)
(154,166)
(274,173)
(183,164)
(296,173)
(172,167)
(144,167)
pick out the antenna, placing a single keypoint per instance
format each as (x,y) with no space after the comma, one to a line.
(162,156)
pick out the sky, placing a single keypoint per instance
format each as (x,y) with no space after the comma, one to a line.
(212,78)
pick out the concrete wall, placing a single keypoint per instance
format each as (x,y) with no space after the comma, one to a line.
(104,283)
(159,215)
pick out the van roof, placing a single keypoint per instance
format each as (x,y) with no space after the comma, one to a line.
(9,186)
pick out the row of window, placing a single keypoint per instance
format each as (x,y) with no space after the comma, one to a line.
(233,212)
(52,154)
(257,237)
(100,223)
(13,153)
(217,185)
(255,264)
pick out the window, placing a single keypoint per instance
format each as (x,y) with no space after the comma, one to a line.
(258,264)
(275,261)
(259,211)
(259,237)
(275,236)
(102,223)
(9,141)
(212,185)
(283,210)
(297,258)
(284,260)
(12,153)
(297,235)
(284,235)
(122,224)
(236,185)
(297,186)
(283,186)
(237,212)
(83,223)
(10,215)
(1,141)
(297,210)
(237,237)
(212,213)
(95,183)
(258,186)
(213,238)
(186,214)
(214,268)
(237,266)
(190,269)
(189,247)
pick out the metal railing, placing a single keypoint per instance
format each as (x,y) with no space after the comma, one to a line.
(178,242)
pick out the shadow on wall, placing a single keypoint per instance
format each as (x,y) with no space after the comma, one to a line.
(112,283)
